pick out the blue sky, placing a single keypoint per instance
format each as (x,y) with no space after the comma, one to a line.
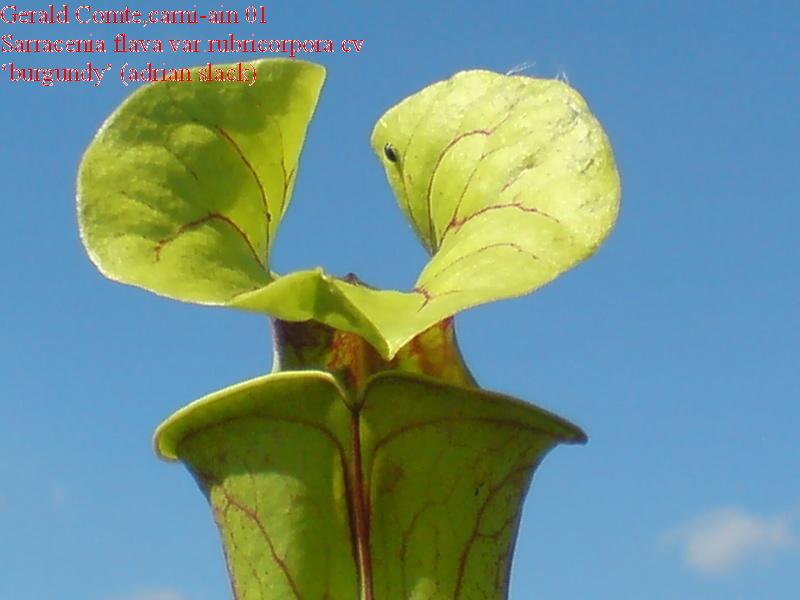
(676,347)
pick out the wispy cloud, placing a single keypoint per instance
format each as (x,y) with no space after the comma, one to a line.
(154,594)
(721,540)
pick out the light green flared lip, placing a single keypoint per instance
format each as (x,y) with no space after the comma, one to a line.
(219,406)
(215,407)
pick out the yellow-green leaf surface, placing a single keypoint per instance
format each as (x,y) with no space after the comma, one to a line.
(182,189)
(411,491)
(508,180)
(273,456)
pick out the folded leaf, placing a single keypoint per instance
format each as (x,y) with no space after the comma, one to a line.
(182,190)
(507,180)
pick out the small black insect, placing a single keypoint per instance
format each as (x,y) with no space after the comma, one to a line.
(390,153)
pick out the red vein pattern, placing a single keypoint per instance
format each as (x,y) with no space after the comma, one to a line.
(202,221)
(463,257)
(456,224)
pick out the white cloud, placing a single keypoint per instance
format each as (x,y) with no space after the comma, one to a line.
(723,539)
(155,594)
